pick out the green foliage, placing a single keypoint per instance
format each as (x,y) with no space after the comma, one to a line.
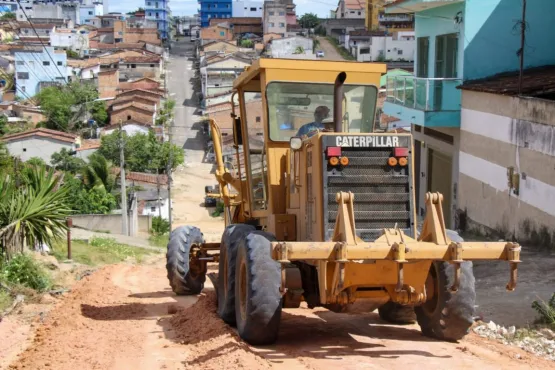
(72,54)
(6,161)
(139,9)
(88,201)
(309,20)
(160,226)
(24,270)
(36,161)
(299,50)
(64,106)
(545,310)
(166,113)
(99,112)
(100,251)
(320,30)
(63,161)
(340,49)
(98,173)
(33,212)
(4,129)
(160,241)
(7,16)
(143,152)
(247,43)
(5,300)
(219,210)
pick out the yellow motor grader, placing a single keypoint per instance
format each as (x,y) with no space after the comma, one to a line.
(320,208)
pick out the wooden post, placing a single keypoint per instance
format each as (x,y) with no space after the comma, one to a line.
(69,223)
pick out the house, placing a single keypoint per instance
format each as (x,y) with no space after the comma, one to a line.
(241,25)
(142,83)
(291,47)
(133,112)
(214,9)
(29,113)
(221,31)
(377,19)
(129,127)
(220,47)
(90,11)
(351,9)
(372,46)
(153,202)
(247,9)
(159,12)
(275,19)
(37,32)
(37,69)
(219,71)
(486,144)
(76,39)
(86,148)
(63,11)
(39,142)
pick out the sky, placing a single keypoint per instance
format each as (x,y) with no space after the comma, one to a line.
(189,7)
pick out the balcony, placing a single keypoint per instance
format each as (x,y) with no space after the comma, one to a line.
(429,102)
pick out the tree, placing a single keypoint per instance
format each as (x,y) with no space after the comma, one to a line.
(72,54)
(143,152)
(98,174)
(166,113)
(34,212)
(7,16)
(139,9)
(309,20)
(84,201)
(36,161)
(64,161)
(247,43)
(99,113)
(299,50)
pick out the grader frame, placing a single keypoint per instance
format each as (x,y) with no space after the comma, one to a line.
(395,267)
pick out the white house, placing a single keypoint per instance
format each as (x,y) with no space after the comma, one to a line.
(70,39)
(130,128)
(154,203)
(40,142)
(371,46)
(247,9)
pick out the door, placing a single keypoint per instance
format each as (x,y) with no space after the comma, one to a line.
(439,179)
(445,65)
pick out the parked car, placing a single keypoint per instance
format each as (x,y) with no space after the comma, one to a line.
(319,54)
(210,202)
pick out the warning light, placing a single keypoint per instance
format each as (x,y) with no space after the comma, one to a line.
(344,161)
(401,152)
(334,161)
(403,161)
(392,161)
(333,151)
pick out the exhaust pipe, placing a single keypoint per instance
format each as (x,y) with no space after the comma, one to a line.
(338,101)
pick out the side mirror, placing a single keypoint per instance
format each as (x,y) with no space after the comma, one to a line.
(237,137)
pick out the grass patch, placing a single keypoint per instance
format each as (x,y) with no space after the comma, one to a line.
(24,270)
(159,241)
(100,251)
(340,49)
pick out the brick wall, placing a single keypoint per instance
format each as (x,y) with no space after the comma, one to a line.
(131,113)
(108,83)
(216,33)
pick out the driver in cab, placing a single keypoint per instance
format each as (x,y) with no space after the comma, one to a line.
(309,129)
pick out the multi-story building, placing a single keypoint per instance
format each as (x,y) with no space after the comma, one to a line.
(482,136)
(214,9)
(48,10)
(246,8)
(350,9)
(377,19)
(159,11)
(35,70)
(75,39)
(89,11)
(275,18)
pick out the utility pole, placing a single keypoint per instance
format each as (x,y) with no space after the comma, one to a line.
(124,223)
(159,200)
(522,44)
(169,173)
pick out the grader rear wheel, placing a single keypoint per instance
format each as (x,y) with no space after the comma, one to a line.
(447,315)
(257,297)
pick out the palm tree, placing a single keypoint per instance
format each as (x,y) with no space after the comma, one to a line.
(33,213)
(99,173)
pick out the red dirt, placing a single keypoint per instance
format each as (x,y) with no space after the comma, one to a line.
(118,318)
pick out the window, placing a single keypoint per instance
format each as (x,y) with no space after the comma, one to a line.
(26,31)
(358,13)
(152,209)
(152,66)
(20,63)
(150,14)
(128,118)
(446,56)
(133,66)
(399,52)
(23,88)
(90,13)
(282,25)
(271,24)
(149,3)
(252,9)
(45,63)
(222,33)
(257,119)
(422,55)
(364,51)
(291,105)
(60,63)
(24,149)
(282,13)
(271,13)
(157,5)
(48,32)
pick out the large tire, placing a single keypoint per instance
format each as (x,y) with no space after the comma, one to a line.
(257,297)
(447,315)
(182,280)
(395,313)
(226,270)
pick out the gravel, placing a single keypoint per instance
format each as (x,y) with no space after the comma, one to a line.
(539,342)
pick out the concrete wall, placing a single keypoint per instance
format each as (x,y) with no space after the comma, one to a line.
(498,132)
(287,46)
(41,147)
(108,223)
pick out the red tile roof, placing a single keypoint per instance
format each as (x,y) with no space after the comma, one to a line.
(89,144)
(148,178)
(121,45)
(41,132)
(133,105)
(142,59)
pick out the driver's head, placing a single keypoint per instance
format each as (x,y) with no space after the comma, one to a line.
(321,113)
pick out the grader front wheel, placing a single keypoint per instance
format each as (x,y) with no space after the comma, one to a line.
(447,315)
(184,277)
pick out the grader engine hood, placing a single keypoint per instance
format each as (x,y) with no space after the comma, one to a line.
(377,170)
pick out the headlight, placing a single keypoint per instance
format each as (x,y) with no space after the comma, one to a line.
(296,143)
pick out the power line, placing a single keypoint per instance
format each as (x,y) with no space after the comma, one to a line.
(42,43)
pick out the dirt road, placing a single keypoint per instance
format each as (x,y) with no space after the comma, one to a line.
(330,52)
(118,318)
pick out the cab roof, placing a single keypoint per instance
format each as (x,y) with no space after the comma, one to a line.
(294,70)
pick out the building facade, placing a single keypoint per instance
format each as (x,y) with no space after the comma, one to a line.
(37,69)
(214,9)
(378,19)
(159,11)
(87,12)
(247,8)
(484,149)
(275,18)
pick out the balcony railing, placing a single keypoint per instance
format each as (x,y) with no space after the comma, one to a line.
(425,94)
